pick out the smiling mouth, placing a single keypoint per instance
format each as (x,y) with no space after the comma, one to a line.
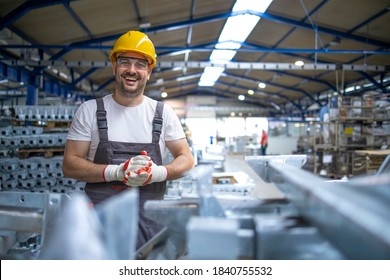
(130,80)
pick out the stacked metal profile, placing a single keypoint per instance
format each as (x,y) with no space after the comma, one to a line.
(36,174)
(44,113)
(14,138)
(28,148)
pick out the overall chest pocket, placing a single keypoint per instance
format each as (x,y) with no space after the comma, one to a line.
(120,156)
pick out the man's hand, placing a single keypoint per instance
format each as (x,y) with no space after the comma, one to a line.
(141,171)
(113,172)
(153,173)
(136,163)
(134,179)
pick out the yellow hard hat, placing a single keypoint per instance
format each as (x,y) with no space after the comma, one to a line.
(135,41)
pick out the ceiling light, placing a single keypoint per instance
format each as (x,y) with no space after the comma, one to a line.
(3,81)
(63,75)
(299,63)
(241,97)
(251,92)
(164,94)
(222,56)
(206,83)
(235,31)
(210,76)
(145,24)
(262,85)
(335,42)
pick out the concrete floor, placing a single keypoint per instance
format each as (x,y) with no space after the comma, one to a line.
(263,190)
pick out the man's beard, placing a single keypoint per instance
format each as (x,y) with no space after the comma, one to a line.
(130,92)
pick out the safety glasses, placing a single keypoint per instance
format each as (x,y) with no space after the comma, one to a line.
(126,62)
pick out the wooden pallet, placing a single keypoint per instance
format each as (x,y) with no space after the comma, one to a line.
(43,123)
(46,152)
(58,124)
(373,159)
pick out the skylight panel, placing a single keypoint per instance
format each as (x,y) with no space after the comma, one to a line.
(235,31)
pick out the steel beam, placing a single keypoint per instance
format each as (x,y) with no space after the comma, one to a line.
(202,64)
(24,8)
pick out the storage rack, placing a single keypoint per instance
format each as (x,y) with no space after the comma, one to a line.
(32,142)
(356,123)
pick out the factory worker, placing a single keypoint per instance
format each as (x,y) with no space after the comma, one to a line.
(117,142)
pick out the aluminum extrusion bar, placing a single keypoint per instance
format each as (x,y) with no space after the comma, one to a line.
(260,163)
(21,219)
(353,215)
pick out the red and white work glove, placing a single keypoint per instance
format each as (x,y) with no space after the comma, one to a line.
(142,171)
(113,172)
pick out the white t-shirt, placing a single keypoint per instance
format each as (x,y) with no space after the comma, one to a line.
(125,124)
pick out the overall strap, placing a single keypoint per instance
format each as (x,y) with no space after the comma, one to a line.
(157,122)
(101,120)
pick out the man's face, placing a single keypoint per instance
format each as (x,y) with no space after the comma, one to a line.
(131,74)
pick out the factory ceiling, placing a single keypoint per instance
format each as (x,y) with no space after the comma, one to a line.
(62,48)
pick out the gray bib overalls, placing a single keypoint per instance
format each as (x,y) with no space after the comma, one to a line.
(112,152)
